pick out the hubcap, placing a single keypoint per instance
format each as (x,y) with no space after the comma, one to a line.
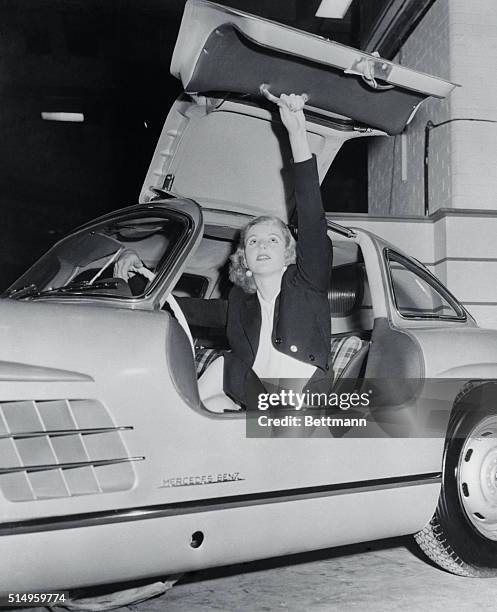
(477,477)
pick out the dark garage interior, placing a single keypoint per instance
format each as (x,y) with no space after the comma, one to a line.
(110,61)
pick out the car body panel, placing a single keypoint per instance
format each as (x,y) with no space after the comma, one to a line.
(162,546)
(472,352)
(13,371)
(234,155)
(223,49)
(118,370)
(230,152)
(131,380)
(136,364)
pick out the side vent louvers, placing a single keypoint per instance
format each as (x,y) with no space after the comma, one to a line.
(61,448)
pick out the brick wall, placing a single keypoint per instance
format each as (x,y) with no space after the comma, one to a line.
(473,40)
(456,40)
(427,50)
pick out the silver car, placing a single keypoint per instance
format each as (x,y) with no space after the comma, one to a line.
(106,450)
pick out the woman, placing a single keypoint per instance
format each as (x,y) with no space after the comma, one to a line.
(278,317)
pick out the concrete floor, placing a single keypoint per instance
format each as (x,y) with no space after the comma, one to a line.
(377,577)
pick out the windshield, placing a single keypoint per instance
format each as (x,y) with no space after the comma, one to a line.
(86,261)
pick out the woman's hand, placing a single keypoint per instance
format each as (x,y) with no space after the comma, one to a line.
(130,264)
(293,118)
(127,265)
(291,113)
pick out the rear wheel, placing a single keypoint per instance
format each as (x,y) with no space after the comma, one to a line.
(462,535)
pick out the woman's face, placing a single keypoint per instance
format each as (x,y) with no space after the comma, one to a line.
(265,249)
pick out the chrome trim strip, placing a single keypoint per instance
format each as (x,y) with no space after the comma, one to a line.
(340,229)
(63,432)
(123,515)
(67,466)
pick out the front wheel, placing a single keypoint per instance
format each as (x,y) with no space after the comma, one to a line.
(462,535)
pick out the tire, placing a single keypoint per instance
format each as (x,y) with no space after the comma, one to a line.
(462,535)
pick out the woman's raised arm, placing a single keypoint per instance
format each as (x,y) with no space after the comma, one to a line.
(292,117)
(314,253)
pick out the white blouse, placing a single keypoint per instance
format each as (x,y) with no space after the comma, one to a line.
(270,363)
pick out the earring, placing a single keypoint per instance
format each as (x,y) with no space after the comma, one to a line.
(284,268)
(248,272)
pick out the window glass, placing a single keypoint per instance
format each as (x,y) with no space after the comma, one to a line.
(418,294)
(84,262)
(191,285)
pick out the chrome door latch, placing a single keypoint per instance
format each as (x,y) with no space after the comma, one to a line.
(264,90)
(371,69)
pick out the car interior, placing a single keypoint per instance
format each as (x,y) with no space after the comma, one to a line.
(199,299)
(203,288)
(85,260)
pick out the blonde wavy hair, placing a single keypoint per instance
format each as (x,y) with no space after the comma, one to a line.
(238,263)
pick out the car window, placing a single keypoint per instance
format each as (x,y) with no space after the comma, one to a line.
(417,293)
(84,262)
(191,285)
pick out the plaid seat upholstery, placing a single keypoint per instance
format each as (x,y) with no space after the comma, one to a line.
(342,351)
(204,357)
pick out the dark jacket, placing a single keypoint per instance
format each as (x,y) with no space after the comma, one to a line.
(302,319)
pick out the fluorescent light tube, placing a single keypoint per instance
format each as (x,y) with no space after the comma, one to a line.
(74,117)
(333,9)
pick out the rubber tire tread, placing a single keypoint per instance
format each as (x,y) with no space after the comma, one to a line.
(432,541)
